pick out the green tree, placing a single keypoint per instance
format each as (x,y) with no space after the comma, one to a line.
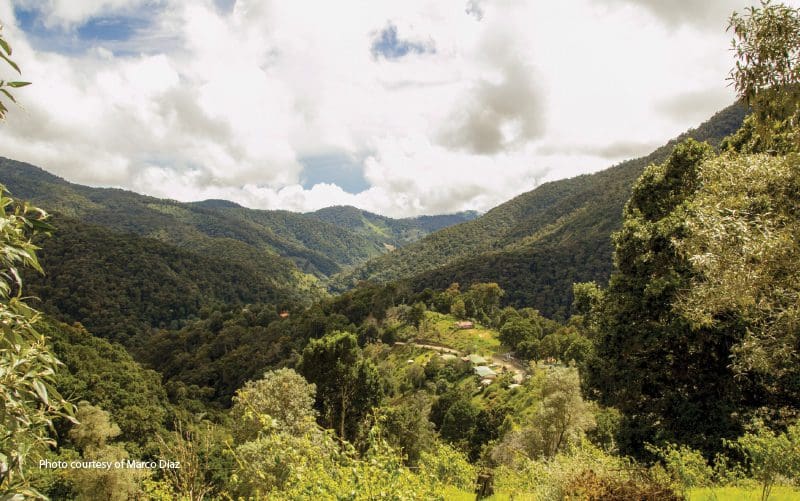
(348,385)
(743,249)
(517,330)
(482,301)
(5,85)
(769,454)
(767,71)
(671,379)
(93,437)
(29,400)
(281,395)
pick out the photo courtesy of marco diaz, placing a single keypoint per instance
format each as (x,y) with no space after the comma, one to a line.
(107,465)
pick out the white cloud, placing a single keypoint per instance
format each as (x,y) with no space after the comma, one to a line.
(226,102)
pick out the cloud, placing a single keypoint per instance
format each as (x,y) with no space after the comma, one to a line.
(712,14)
(503,109)
(469,102)
(613,151)
(66,14)
(697,105)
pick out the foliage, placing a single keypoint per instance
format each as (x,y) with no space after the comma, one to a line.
(348,385)
(767,72)
(104,374)
(671,379)
(742,245)
(584,473)
(5,86)
(560,419)
(448,466)
(93,438)
(204,466)
(770,455)
(282,396)
(687,467)
(29,401)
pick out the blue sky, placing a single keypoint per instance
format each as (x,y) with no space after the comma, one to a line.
(419,107)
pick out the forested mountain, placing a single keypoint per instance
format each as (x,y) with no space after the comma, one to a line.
(395,232)
(119,285)
(320,243)
(539,243)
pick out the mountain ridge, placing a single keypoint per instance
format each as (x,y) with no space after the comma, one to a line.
(538,243)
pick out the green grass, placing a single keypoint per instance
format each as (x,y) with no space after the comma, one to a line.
(441,329)
(779,493)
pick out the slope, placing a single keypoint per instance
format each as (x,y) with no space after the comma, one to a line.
(119,284)
(539,243)
(318,243)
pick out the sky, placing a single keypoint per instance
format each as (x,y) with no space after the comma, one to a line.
(399,108)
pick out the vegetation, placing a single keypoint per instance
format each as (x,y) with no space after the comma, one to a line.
(678,379)
(29,402)
(538,244)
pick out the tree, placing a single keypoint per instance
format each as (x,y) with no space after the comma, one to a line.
(671,379)
(93,438)
(28,398)
(281,395)
(745,256)
(562,418)
(197,449)
(348,385)
(766,75)
(769,454)
(5,85)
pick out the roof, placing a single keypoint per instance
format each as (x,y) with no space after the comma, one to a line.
(477,359)
(484,371)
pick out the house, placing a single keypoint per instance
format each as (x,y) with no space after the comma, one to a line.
(465,324)
(476,359)
(284,314)
(484,372)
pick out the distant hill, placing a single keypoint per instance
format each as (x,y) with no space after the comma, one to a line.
(121,263)
(119,285)
(320,243)
(395,232)
(539,243)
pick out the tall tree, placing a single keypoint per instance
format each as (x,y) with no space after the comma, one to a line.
(348,385)
(766,75)
(669,378)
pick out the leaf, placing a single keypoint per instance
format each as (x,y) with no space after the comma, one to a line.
(41,391)
(12,63)
(5,46)
(8,94)
(17,84)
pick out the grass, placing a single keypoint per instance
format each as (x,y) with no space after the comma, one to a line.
(441,329)
(779,493)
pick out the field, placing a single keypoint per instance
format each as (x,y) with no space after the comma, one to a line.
(779,493)
(441,330)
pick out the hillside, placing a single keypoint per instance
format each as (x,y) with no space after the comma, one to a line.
(119,285)
(321,243)
(395,232)
(539,243)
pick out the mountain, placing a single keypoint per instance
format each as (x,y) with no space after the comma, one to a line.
(391,232)
(539,243)
(321,243)
(119,285)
